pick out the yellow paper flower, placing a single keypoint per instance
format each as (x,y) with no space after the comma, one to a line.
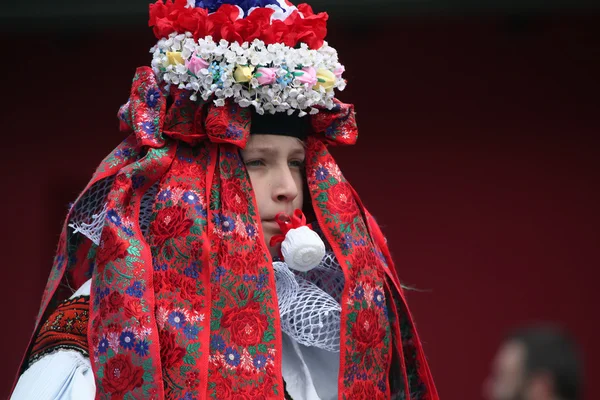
(243,73)
(325,79)
(174,57)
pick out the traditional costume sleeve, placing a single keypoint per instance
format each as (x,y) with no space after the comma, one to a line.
(59,368)
(63,375)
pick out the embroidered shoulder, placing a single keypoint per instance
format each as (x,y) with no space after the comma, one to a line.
(65,329)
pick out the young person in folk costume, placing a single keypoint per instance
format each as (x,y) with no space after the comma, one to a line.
(218,252)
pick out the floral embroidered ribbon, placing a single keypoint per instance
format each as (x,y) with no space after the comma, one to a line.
(190,310)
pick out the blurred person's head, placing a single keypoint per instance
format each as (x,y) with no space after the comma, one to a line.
(536,363)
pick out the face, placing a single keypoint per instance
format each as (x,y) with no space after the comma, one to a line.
(275,165)
(507,381)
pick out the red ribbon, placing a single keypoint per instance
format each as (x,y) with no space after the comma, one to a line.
(287,223)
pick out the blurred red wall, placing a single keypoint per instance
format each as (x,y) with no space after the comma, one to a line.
(479,155)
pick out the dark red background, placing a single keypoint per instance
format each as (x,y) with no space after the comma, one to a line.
(479,154)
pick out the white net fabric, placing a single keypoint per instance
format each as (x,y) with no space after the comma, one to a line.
(89,212)
(287,287)
(309,313)
(328,275)
(146,208)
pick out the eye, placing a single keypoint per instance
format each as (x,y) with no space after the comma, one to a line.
(297,163)
(255,163)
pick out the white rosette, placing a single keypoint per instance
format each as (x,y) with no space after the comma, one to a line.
(302,249)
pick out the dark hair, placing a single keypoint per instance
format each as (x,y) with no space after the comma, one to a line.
(280,124)
(549,349)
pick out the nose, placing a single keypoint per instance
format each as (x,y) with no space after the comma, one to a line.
(284,186)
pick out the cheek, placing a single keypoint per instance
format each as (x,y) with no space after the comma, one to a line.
(298,202)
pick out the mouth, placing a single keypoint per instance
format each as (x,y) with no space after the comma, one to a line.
(270,225)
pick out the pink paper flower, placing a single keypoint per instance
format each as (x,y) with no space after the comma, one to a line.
(266,76)
(308,75)
(196,64)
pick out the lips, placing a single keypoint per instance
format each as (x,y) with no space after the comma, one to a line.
(274,217)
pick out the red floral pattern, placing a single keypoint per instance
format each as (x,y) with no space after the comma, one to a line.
(191,309)
(170,222)
(113,247)
(169,17)
(120,376)
(367,331)
(233,197)
(341,202)
(247,324)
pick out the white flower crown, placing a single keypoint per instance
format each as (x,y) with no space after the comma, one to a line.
(272,78)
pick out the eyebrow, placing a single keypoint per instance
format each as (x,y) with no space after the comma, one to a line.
(273,150)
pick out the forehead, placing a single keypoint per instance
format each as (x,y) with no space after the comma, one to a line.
(274,144)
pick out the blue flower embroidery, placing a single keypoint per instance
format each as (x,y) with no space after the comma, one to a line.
(127,340)
(321,174)
(190,197)
(164,195)
(260,361)
(103,346)
(378,298)
(232,357)
(191,332)
(136,290)
(113,217)
(142,348)
(217,343)
(359,293)
(152,97)
(177,319)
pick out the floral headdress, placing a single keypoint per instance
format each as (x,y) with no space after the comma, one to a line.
(262,53)
(183,294)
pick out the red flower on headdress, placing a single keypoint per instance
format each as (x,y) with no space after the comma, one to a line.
(247,324)
(169,17)
(160,22)
(194,20)
(223,24)
(170,222)
(274,33)
(121,376)
(312,29)
(258,22)
(367,330)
